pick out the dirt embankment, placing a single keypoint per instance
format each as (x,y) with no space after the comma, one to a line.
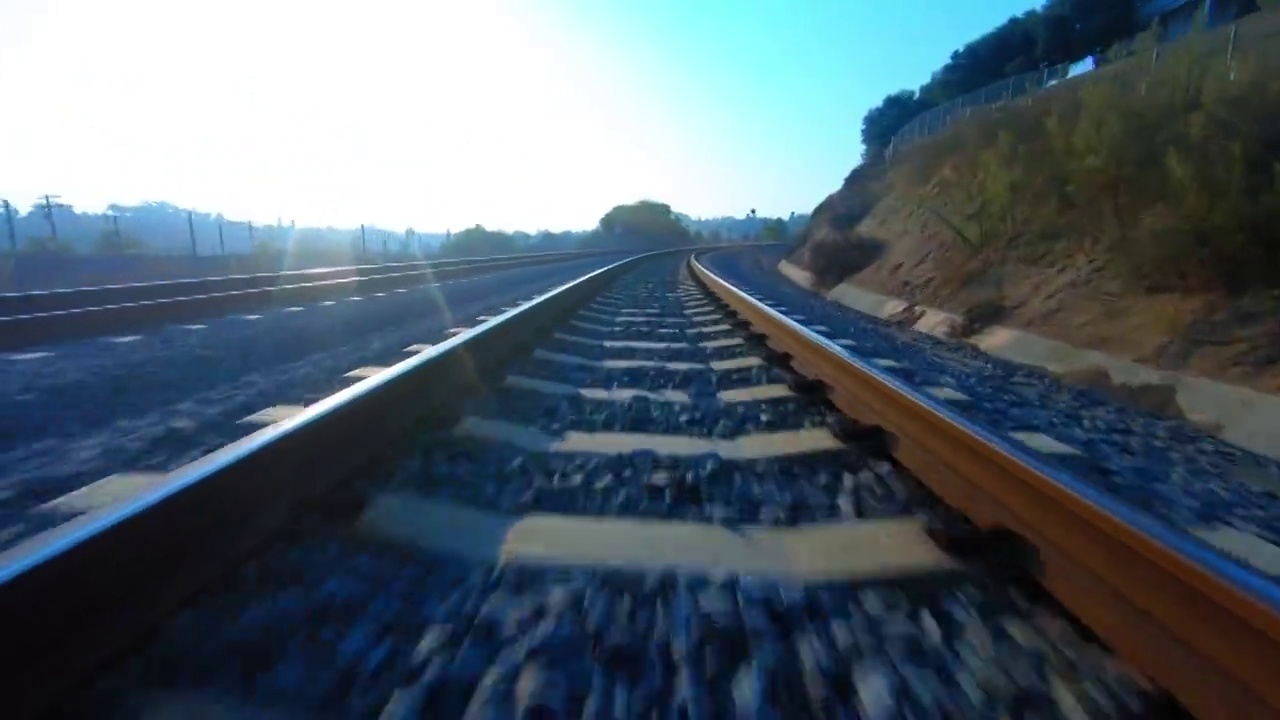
(1134,211)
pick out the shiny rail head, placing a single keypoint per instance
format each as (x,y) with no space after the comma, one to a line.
(45,546)
(248,292)
(1213,561)
(309,284)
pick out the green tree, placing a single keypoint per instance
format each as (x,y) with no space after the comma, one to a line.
(642,224)
(883,121)
(1062,31)
(478,241)
(1055,36)
(774,230)
(111,243)
(1007,50)
(1095,25)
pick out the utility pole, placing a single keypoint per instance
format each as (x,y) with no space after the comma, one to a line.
(251,248)
(363,250)
(384,245)
(222,245)
(191,230)
(49,205)
(115,231)
(8,222)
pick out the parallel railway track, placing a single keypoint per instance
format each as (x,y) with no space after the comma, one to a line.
(48,301)
(632,497)
(154,400)
(38,318)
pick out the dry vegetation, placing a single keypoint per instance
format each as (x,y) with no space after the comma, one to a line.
(1151,187)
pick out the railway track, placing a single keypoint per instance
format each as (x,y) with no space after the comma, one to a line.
(74,414)
(57,300)
(38,318)
(618,500)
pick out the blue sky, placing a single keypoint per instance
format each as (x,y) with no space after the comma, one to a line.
(518,114)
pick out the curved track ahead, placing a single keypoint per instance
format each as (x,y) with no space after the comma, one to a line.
(616,501)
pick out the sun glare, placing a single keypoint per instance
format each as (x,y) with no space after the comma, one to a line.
(426,114)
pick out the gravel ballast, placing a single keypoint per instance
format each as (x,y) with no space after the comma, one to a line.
(1167,468)
(328,622)
(344,630)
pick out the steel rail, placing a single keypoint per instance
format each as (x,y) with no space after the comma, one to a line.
(75,596)
(1199,624)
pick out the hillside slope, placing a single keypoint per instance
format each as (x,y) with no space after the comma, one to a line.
(1134,211)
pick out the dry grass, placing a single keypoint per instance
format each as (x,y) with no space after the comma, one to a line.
(1170,171)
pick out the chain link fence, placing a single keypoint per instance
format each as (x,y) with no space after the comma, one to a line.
(1221,44)
(939,118)
(51,246)
(57,228)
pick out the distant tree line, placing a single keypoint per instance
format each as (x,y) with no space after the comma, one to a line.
(728,229)
(159,228)
(1060,31)
(645,224)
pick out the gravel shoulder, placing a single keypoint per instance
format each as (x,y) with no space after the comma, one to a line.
(1168,468)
